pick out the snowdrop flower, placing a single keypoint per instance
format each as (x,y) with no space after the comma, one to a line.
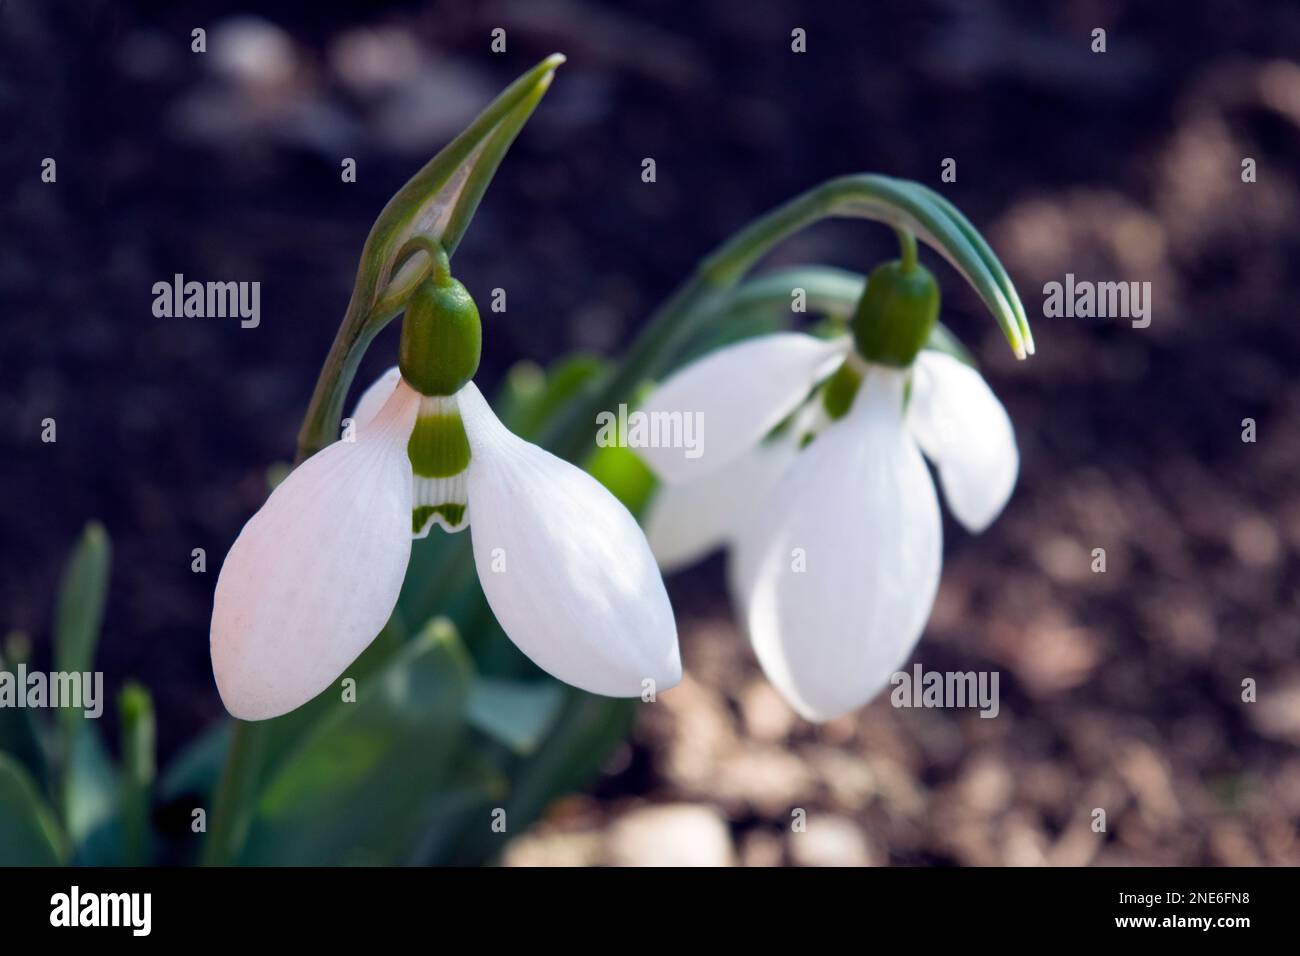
(315,574)
(832,518)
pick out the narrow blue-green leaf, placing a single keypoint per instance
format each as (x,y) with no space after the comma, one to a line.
(80,608)
(586,733)
(196,769)
(29,833)
(463,804)
(361,788)
(515,713)
(266,745)
(18,733)
(92,799)
(135,710)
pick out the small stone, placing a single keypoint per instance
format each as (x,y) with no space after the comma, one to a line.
(829,840)
(676,834)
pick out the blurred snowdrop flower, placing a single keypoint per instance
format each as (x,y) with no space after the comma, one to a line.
(825,501)
(315,574)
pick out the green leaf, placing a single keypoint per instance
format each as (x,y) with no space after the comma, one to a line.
(29,834)
(439,201)
(515,713)
(197,767)
(362,788)
(462,804)
(587,732)
(530,396)
(92,800)
(18,731)
(256,749)
(80,608)
(88,787)
(135,710)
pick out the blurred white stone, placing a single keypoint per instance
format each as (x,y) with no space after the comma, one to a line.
(252,50)
(553,849)
(675,834)
(829,840)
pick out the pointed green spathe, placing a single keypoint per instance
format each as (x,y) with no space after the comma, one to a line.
(437,203)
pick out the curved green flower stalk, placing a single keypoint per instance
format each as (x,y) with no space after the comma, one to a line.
(908,207)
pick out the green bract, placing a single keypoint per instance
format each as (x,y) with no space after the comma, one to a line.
(437,205)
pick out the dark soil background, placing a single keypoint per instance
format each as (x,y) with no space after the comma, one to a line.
(1120,690)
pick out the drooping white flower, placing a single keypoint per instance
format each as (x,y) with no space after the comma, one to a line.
(833,521)
(315,574)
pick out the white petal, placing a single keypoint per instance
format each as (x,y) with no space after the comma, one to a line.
(374,397)
(963,428)
(836,589)
(316,572)
(564,566)
(735,396)
(683,523)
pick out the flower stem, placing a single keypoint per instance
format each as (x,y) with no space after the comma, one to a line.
(232,810)
(906,250)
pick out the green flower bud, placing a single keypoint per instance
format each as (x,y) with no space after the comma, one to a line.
(896,313)
(442,338)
